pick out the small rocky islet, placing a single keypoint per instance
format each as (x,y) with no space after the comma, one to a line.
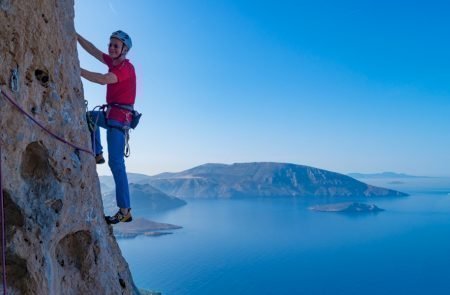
(347,207)
(142,226)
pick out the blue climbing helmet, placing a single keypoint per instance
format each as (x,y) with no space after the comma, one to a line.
(122,36)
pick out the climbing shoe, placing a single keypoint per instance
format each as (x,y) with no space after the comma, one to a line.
(119,217)
(99,159)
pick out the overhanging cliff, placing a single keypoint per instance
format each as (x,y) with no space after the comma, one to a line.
(57,241)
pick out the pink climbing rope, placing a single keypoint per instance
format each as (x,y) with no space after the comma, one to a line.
(43,127)
(2,210)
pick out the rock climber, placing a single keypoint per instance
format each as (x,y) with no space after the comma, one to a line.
(120,97)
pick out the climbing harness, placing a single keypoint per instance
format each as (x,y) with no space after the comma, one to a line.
(132,122)
(132,118)
(14,81)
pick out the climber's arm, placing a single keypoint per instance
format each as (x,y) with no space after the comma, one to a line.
(90,48)
(109,78)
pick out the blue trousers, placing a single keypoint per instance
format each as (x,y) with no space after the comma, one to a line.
(115,138)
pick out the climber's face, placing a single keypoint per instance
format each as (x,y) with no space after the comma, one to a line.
(115,48)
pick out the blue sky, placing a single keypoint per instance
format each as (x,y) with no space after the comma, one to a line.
(347,86)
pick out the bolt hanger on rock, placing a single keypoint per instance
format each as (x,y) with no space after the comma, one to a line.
(14,80)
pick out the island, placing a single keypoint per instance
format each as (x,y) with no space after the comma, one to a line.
(347,207)
(146,292)
(142,226)
(263,180)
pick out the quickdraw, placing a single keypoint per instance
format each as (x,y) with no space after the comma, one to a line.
(14,81)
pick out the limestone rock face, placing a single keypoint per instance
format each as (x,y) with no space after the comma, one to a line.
(57,241)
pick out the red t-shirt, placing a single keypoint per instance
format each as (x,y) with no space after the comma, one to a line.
(122,92)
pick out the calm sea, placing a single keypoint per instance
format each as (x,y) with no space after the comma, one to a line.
(278,246)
